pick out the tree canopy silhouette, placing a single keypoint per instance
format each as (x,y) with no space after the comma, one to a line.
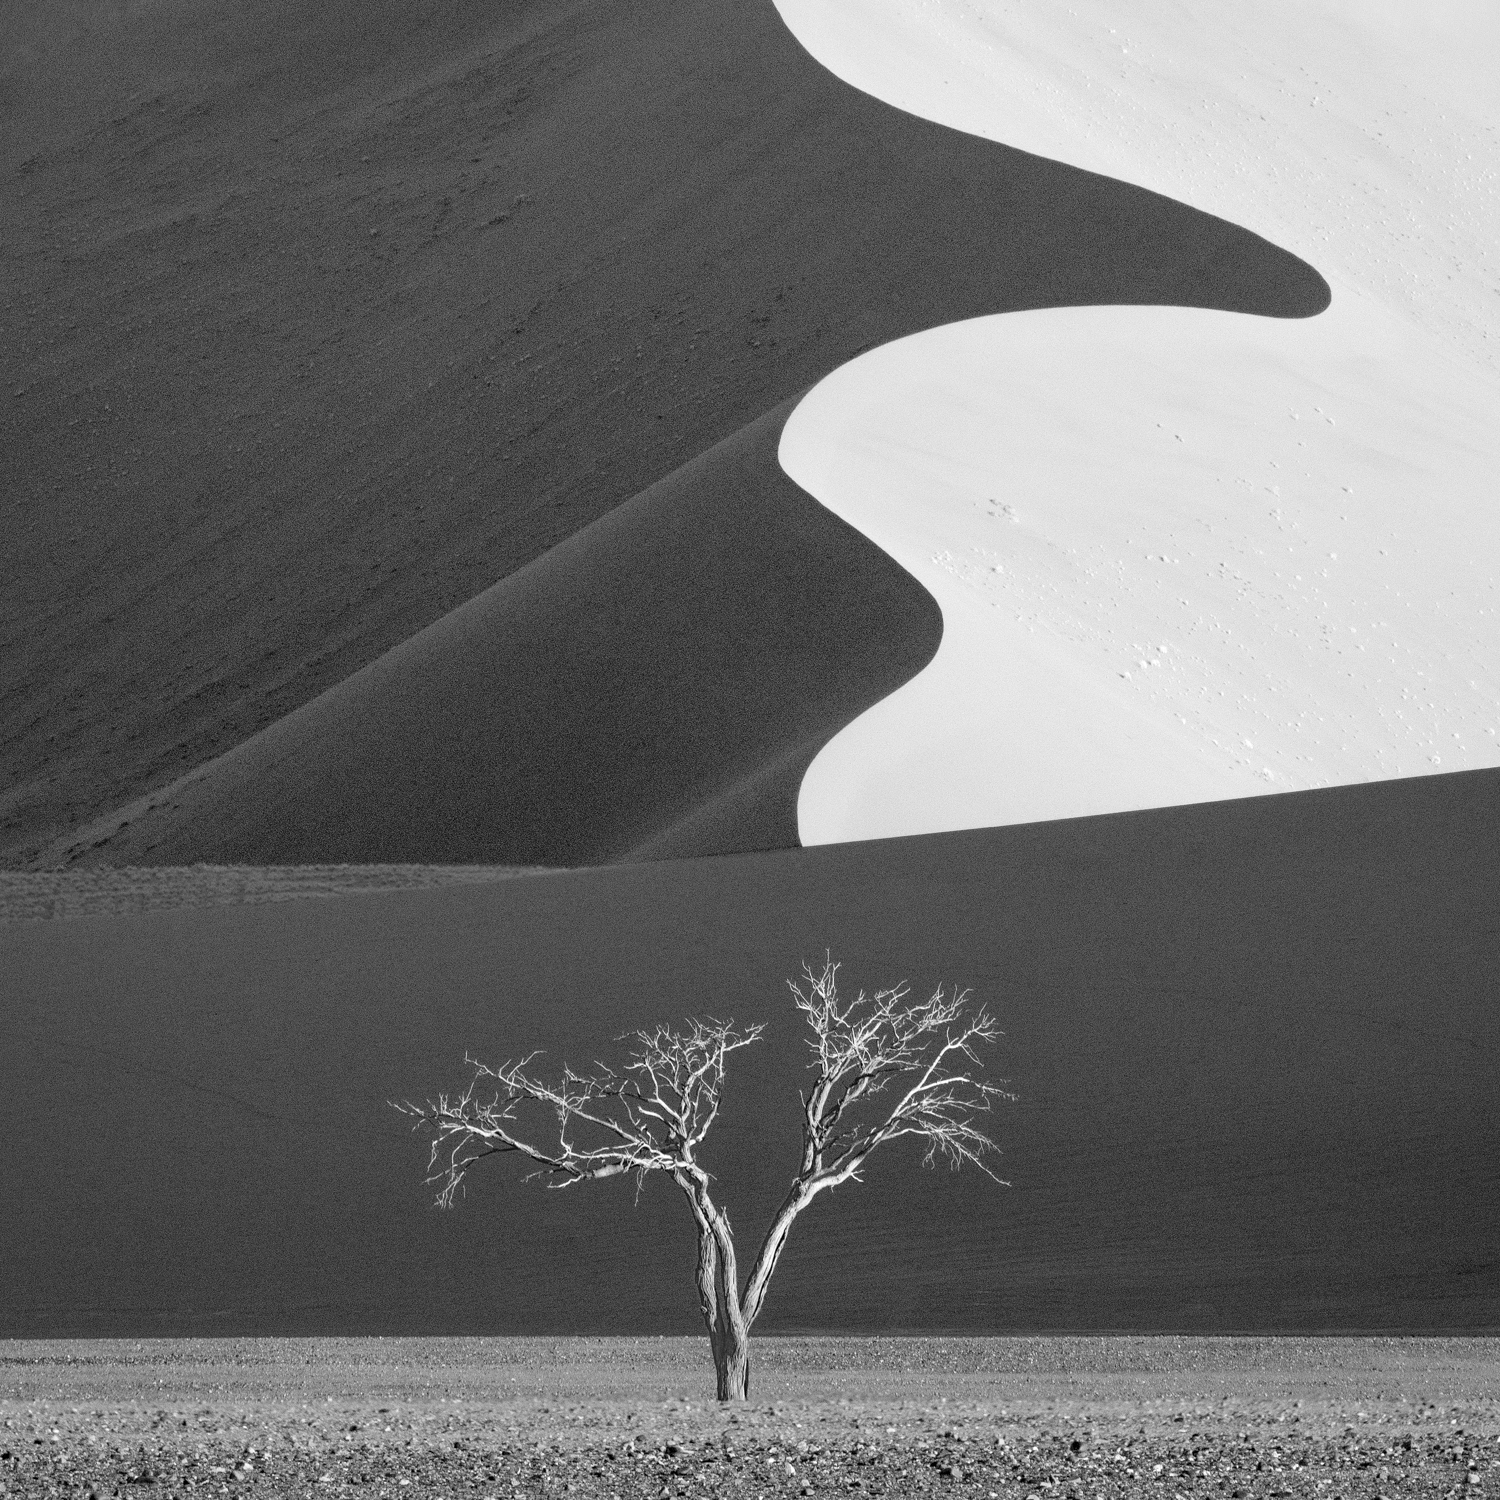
(885,1067)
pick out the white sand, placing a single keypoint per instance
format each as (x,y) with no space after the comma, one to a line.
(1185,555)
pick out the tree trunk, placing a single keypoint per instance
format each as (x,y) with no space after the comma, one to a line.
(719,1293)
(732,1365)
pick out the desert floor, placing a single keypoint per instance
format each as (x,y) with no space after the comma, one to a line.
(1028,1417)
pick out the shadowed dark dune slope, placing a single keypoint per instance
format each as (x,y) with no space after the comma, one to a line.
(661,679)
(325,318)
(1255,1043)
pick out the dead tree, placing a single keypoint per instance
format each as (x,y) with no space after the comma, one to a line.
(885,1067)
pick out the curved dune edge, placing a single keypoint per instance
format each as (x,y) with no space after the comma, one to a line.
(654,686)
(1359,137)
(1180,557)
(477,377)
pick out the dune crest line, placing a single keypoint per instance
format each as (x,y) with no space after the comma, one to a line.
(595,706)
(1181,556)
(633,631)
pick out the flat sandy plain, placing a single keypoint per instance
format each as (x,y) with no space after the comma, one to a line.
(1026,1417)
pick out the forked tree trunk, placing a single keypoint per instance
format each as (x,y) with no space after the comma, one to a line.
(728,1336)
(719,1297)
(732,1366)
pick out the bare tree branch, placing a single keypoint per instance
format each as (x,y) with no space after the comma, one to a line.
(861,1049)
(649,1117)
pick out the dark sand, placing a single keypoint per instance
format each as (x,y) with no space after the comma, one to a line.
(1255,1045)
(654,686)
(321,321)
(1017,1417)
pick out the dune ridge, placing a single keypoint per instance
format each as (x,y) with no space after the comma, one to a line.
(1183,556)
(398,353)
(660,679)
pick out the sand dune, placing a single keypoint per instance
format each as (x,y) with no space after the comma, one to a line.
(1180,557)
(1356,136)
(386,490)
(659,681)
(312,355)
(1255,1046)
(1232,557)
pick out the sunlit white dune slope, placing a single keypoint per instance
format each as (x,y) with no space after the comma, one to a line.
(1185,555)
(1180,557)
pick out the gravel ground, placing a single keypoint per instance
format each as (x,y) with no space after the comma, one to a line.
(1033,1419)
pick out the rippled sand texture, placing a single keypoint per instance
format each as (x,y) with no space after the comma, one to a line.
(1185,555)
